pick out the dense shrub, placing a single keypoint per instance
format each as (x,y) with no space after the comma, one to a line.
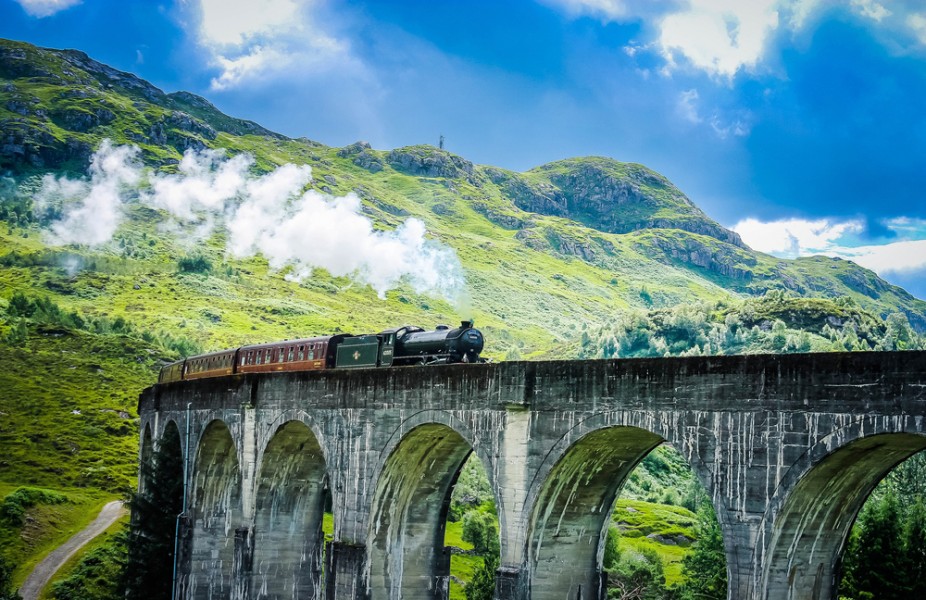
(194,264)
(14,506)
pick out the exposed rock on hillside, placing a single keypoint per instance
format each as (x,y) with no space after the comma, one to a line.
(33,126)
(698,251)
(363,156)
(428,161)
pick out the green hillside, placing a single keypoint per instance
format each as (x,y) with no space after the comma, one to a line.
(580,257)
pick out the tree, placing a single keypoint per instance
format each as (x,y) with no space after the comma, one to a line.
(482,585)
(637,576)
(6,582)
(149,572)
(479,529)
(915,550)
(873,562)
(705,567)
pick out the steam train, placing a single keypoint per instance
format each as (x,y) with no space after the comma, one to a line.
(407,345)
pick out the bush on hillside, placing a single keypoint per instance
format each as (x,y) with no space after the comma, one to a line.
(14,506)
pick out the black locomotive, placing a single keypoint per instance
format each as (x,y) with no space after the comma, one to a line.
(407,345)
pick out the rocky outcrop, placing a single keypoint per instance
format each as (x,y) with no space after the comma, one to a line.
(25,143)
(723,259)
(82,120)
(427,161)
(363,156)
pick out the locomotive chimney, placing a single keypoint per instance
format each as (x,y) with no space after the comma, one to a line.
(466,324)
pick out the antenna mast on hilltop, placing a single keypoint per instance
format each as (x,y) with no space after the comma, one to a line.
(441,144)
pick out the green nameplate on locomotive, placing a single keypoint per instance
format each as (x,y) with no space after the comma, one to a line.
(361,351)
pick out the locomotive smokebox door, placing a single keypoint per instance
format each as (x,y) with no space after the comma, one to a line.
(360,351)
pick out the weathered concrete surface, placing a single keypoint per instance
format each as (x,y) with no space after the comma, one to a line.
(787,446)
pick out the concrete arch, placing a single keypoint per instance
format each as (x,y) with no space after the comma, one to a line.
(812,523)
(216,512)
(573,504)
(289,507)
(405,544)
(436,417)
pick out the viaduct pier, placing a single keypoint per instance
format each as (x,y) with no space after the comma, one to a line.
(788,448)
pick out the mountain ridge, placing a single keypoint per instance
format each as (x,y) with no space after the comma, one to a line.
(631,226)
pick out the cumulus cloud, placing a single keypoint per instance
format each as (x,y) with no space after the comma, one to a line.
(271,215)
(46,8)
(724,37)
(792,238)
(252,41)
(231,22)
(719,36)
(896,257)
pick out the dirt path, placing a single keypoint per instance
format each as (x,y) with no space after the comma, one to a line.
(44,571)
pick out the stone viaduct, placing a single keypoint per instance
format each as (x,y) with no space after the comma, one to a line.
(788,448)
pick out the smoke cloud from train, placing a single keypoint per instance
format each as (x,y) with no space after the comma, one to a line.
(271,214)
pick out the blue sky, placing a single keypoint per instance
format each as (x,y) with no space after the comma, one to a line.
(801,123)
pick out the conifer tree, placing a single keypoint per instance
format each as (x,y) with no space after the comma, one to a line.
(149,572)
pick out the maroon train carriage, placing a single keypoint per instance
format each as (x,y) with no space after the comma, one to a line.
(307,354)
(214,364)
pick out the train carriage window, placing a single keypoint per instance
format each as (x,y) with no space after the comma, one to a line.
(301,352)
(260,357)
(267,358)
(292,350)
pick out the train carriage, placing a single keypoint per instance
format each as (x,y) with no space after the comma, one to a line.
(215,364)
(306,354)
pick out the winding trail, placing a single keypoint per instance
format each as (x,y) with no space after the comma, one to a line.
(43,572)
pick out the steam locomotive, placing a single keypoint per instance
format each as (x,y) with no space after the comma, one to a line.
(407,345)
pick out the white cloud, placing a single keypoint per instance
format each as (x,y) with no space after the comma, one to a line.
(800,11)
(871,9)
(797,237)
(269,214)
(896,257)
(687,106)
(719,36)
(794,237)
(233,22)
(259,62)
(917,23)
(250,41)
(46,8)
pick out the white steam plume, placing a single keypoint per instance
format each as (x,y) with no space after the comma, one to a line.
(95,209)
(268,214)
